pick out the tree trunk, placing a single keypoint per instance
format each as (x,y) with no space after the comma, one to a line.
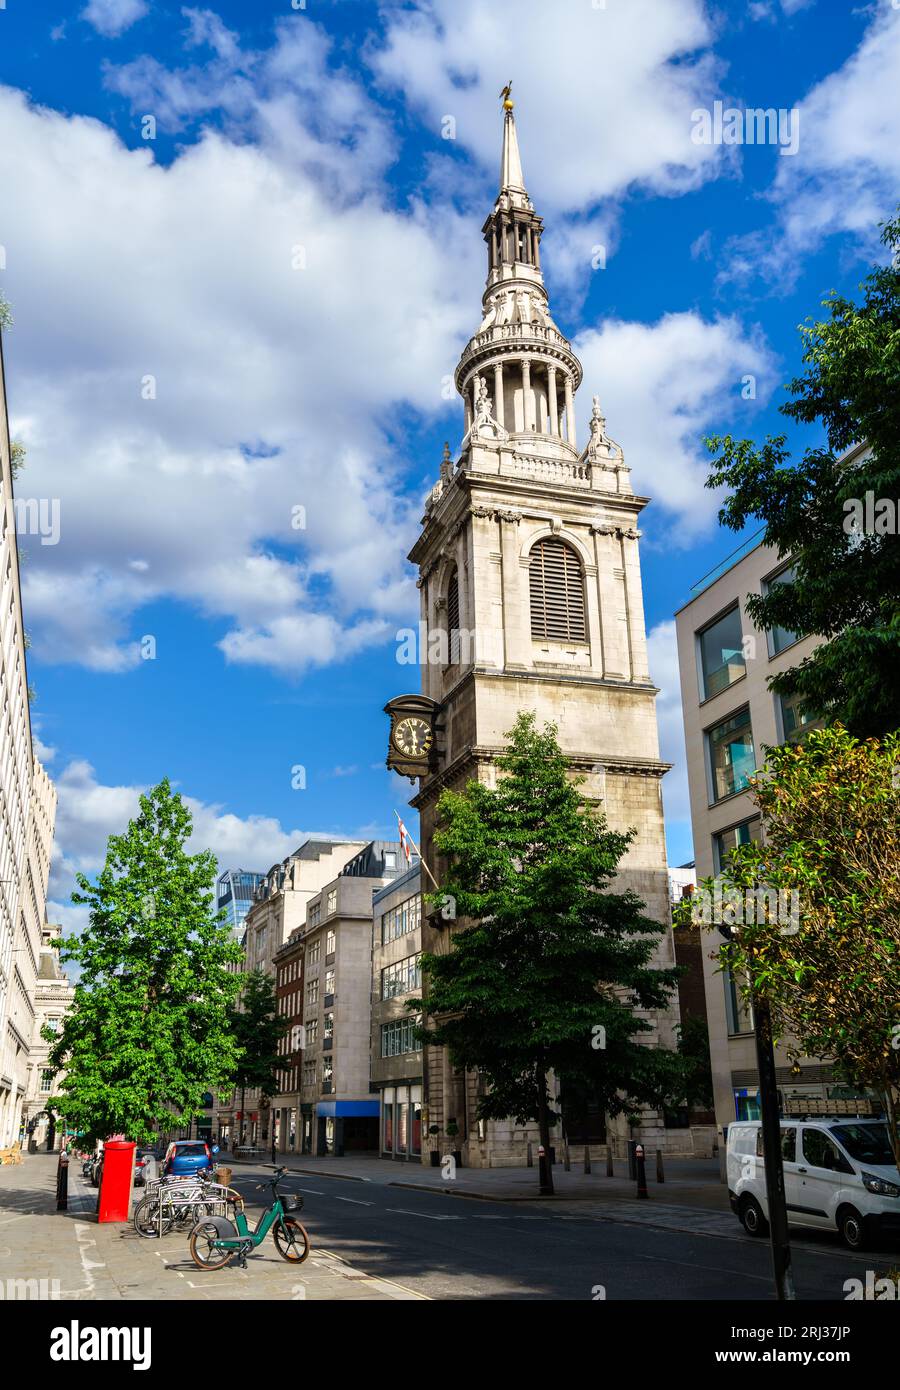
(243,1125)
(544,1169)
(893,1120)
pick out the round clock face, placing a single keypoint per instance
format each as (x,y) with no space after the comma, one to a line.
(413,737)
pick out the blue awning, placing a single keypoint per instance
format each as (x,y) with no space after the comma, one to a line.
(346,1108)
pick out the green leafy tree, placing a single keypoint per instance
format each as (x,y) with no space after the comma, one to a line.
(549,967)
(149,1030)
(831,970)
(847,581)
(694,1087)
(17,457)
(6,318)
(258,1028)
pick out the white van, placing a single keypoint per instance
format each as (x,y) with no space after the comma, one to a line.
(839,1175)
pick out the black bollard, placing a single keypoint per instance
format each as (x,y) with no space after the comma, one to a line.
(587,1158)
(62,1183)
(609,1162)
(530,1156)
(641,1171)
(660,1175)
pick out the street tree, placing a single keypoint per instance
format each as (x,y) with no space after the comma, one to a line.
(837,521)
(551,966)
(258,1028)
(149,1031)
(830,806)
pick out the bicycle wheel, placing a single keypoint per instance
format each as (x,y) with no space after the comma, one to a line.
(203,1249)
(291,1240)
(145,1219)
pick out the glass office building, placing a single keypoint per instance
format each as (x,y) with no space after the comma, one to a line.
(234,893)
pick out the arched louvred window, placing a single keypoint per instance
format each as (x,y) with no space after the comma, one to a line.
(453,618)
(557,592)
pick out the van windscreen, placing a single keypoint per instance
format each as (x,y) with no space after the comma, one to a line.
(865,1143)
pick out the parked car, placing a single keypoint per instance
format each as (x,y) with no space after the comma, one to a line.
(146,1164)
(840,1175)
(184,1157)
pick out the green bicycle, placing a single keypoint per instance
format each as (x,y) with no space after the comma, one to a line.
(215,1240)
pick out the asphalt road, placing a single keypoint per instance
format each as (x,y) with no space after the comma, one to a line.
(451,1247)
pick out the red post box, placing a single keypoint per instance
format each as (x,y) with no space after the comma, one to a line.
(115,1185)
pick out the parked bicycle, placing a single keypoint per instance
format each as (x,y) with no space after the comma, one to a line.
(180,1203)
(215,1240)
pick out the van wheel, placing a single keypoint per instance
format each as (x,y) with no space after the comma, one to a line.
(852,1228)
(752,1219)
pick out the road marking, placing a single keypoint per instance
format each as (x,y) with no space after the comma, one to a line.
(713,1269)
(355,1200)
(402,1211)
(315,1192)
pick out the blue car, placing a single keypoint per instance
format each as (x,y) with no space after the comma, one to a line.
(185,1157)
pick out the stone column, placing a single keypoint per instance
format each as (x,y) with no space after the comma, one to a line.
(527,398)
(551,400)
(465,608)
(498,394)
(634,599)
(570,413)
(611,599)
(516,641)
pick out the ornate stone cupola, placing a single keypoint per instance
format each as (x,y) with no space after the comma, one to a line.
(518,374)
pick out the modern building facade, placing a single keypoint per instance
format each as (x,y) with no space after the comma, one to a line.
(338,1111)
(730,716)
(289,981)
(27,815)
(235,889)
(396,1071)
(530,582)
(279,908)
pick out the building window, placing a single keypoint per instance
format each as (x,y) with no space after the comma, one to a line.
(397,1037)
(330,941)
(312,956)
(795,721)
(399,920)
(722,653)
(312,992)
(327,1028)
(312,1031)
(314,915)
(47,1082)
(401,978)
(332,901)
(390,859)
(453,618)
(329,982)
(727,840)
(732,760)
(327,1073)
(309,1073)
(557,592)
(737,1010)
(779,637)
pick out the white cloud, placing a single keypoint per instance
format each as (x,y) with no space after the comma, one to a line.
(662,651)
(88,812)
(276,388)
(604,95)
(846,174)
(661,387)
(112,17)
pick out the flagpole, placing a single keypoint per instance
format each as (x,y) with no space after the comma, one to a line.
(418,852)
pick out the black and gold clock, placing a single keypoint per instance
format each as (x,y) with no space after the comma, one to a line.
(411,747)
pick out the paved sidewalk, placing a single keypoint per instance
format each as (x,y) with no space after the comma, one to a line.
(67,1255)
(688,1182)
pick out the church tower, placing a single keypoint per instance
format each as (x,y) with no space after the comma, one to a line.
(530,583)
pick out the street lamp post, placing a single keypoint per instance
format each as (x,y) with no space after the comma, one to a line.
(771,1133)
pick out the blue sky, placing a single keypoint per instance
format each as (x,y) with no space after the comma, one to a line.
(186,378)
